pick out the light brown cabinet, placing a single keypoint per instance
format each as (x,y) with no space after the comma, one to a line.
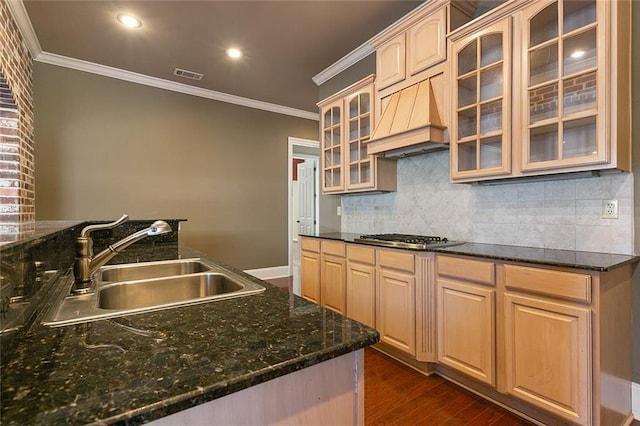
(347,120)
(555,99)
(417,48)
(547,338)
(481,131)
(310,269)
(557,339)
(466,316)
(333,287)
(391,290)
(361,284)
(568,86)
(395,305)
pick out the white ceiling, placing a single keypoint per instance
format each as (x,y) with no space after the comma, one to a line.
(285,43)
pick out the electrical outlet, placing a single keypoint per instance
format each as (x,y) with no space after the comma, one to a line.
(339,211)
(610,209)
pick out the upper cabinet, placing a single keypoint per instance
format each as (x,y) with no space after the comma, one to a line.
(564,66)
(345,127)
(415,49)
(411,103)
(564,122)
(481,63)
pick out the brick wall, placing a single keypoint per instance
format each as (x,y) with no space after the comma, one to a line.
(17,185)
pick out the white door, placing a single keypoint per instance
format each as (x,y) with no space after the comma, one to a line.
(306,197)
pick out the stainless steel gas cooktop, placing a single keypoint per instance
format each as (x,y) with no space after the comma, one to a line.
(414,242)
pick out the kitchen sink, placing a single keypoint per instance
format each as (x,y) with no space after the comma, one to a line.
(165,291)
(128,289)
(146,270)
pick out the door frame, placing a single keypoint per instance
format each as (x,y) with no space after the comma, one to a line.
(291,142)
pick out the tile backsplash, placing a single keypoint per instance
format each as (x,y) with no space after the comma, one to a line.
(559,214)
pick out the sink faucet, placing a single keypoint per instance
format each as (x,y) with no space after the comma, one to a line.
(86,264)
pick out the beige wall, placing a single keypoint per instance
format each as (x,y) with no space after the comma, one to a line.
(105,146)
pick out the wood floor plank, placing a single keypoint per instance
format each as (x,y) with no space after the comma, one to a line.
(398,395)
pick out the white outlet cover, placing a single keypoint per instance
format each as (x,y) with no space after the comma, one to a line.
(610,209)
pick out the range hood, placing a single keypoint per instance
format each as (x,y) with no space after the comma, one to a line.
(409,125)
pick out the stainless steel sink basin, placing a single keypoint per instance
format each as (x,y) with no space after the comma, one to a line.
(146,270)
(149,286)
(165,291)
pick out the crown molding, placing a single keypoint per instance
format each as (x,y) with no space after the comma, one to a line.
(20,15)
(342,64)
(120,74)
(361,52)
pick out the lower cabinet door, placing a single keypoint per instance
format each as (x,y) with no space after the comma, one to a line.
(361,285)
(466,329)
(548,355)
(310,276)
(395,318)
(333,285)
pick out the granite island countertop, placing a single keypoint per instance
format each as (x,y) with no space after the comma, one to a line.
(137,368)
(540,256)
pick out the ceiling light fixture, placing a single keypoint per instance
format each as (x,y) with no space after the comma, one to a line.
(129,21)
(234,53)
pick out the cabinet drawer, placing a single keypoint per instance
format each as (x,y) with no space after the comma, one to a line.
(401,261)
(566,285)
(466,269)
(335,248)
(310,244)
(361,254)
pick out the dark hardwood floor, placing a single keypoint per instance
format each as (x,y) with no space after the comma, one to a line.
(394,394)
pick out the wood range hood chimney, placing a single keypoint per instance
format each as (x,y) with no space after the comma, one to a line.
(410,124)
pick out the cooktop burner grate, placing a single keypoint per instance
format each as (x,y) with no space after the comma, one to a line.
(419,242)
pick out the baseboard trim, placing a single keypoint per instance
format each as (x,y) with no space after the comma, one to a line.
(635,400)
(268,273)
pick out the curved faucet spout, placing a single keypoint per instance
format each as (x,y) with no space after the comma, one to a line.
(86,265)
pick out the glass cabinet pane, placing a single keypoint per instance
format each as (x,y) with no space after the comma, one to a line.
(491,152)
(579,138)
(354,109)
(543,103)
(335,113)
(579,94)
(467,156)
(468,58)
(467,123)
(491,83)
(544,25)
(467,91)
(491,117)
(579,52)
(543,64)
(491,49)
(365,103)
(543,143)
(365,126)
(353,129)
(578,13)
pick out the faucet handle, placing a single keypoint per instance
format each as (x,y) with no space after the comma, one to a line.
(87,230)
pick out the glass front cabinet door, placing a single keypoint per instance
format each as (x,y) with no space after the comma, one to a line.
(345,128)
(359,116)
(481,131)
(564,89)
(331,147)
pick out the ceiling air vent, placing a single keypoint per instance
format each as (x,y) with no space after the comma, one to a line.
(188,74)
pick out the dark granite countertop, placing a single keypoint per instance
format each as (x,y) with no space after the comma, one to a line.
(145,366)
(564,258)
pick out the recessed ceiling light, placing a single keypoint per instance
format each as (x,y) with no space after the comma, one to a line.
(234,53)
(129,21)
